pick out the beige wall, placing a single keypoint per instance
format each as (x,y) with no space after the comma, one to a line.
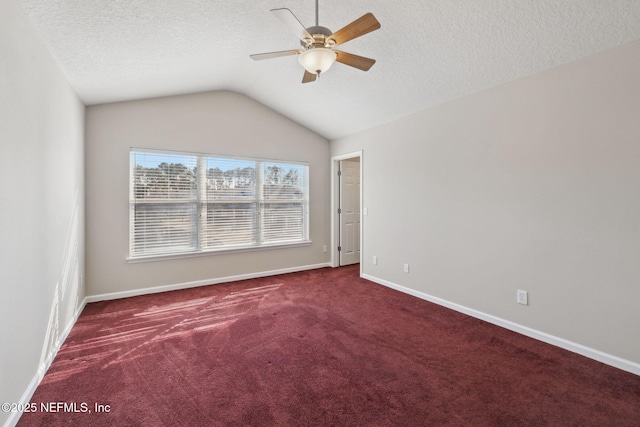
(215,122)
(532,185)
(41,205)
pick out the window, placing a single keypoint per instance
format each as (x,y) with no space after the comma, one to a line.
(184,203)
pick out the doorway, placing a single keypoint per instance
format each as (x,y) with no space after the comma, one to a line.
(346,209)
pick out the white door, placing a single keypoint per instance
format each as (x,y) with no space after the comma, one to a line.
(349,212)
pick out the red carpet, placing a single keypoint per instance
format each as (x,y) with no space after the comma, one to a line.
(317,348)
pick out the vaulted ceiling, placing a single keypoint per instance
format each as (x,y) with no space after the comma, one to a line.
(427,52)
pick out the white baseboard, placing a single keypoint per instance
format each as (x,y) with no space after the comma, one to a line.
(187,285)
(591,353)
(14,417)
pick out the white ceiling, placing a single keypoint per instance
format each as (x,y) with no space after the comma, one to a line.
(427,52)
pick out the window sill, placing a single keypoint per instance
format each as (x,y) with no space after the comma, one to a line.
(209,252)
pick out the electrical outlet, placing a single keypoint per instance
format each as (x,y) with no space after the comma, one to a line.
(324,248)
(374,260)
(522,297)
(406,268)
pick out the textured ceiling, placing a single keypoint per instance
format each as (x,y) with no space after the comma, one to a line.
(427,52)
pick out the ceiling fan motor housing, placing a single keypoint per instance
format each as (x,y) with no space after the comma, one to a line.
(321,38)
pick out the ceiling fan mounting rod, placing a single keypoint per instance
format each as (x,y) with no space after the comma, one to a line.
(320,36)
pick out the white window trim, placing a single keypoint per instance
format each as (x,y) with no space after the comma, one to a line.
(199,251)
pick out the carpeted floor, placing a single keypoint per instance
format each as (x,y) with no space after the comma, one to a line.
(316,348)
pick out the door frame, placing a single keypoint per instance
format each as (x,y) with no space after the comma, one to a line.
(335,202)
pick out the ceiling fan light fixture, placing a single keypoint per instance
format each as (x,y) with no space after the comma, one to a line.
(317,60)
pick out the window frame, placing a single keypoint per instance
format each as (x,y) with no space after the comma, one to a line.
(202,203)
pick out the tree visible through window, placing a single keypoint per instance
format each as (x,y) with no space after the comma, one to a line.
(186,203)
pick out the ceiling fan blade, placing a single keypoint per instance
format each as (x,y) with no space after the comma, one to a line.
(308,77)
(361,26)
(269,55)
(291,22)
(359,62)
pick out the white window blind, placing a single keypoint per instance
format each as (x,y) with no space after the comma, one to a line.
(232,209)
(164,204)
(283,202)
(186,203)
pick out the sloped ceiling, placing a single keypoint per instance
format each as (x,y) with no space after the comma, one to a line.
(427,52)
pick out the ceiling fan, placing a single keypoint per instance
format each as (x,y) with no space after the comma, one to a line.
(318,53)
